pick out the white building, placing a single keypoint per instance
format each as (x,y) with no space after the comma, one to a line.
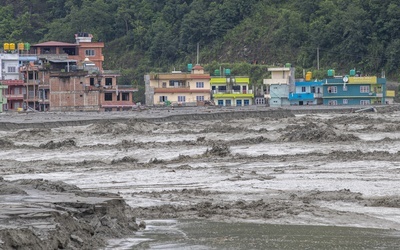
(9,66)
(279,86)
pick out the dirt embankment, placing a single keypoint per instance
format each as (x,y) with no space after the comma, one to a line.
(34,121)
(39,214)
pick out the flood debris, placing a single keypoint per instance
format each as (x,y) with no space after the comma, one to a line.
(40,214)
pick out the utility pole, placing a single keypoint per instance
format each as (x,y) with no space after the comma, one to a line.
(318,57)
(198,51)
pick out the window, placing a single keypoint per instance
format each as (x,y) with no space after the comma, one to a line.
(332,89)
(364,89)
(163,98)
(199,85)
(228,103)
(89,52)
(164,84)
(108,81)
(200,98)
(11,69)
(181,98)
(238,102)
(247,102)
(332,103)
(364,102)
(344,87)
(222,89)
(125,96)
(108,97)
(220,102)
(303,89)
(259,101)
(345,101)
(91,81)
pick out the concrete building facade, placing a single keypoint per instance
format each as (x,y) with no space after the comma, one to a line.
(279,86)
(70,77)
(231,90)
(177,87)
(10,77)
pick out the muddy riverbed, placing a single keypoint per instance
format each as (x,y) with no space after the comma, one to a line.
(285,167)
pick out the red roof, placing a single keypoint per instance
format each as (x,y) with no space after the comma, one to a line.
(198,67)
(53,44)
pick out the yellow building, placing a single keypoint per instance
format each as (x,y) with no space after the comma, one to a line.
(231,90)
(390,95)
(178,88)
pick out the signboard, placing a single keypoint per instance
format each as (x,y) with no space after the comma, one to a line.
(363,80)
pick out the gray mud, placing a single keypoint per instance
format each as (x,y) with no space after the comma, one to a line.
(332,168)
(40,214)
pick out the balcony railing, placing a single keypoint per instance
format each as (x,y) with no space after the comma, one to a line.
(276,81)
(250,91)
(112,88)
(12,82)
(14,97)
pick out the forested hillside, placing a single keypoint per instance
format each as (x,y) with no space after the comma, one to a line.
(247,35)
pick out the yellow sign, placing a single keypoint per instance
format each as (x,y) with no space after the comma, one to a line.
(363,79)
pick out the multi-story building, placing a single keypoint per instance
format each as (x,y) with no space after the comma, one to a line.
(70,77)
(9,76)
(354,90)
(390,95)
(3,99)
(307,93)
(229,90)
(177,87)
(279,86)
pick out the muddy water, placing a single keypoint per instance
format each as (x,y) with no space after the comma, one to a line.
(201,234)
(340,170)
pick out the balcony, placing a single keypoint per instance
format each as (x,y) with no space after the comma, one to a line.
(250,91)
(32,82)
(111,88)
(29,68)
(43,100)
(301,96)
(276,81)
(184,90)
(44,86)
(14,97)
(63,74)
(31,96)
(13,82)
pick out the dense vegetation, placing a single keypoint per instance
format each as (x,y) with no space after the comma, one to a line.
(245,35)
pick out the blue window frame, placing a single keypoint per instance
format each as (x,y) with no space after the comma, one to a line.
(239,103)
(246,102)
(220,102)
